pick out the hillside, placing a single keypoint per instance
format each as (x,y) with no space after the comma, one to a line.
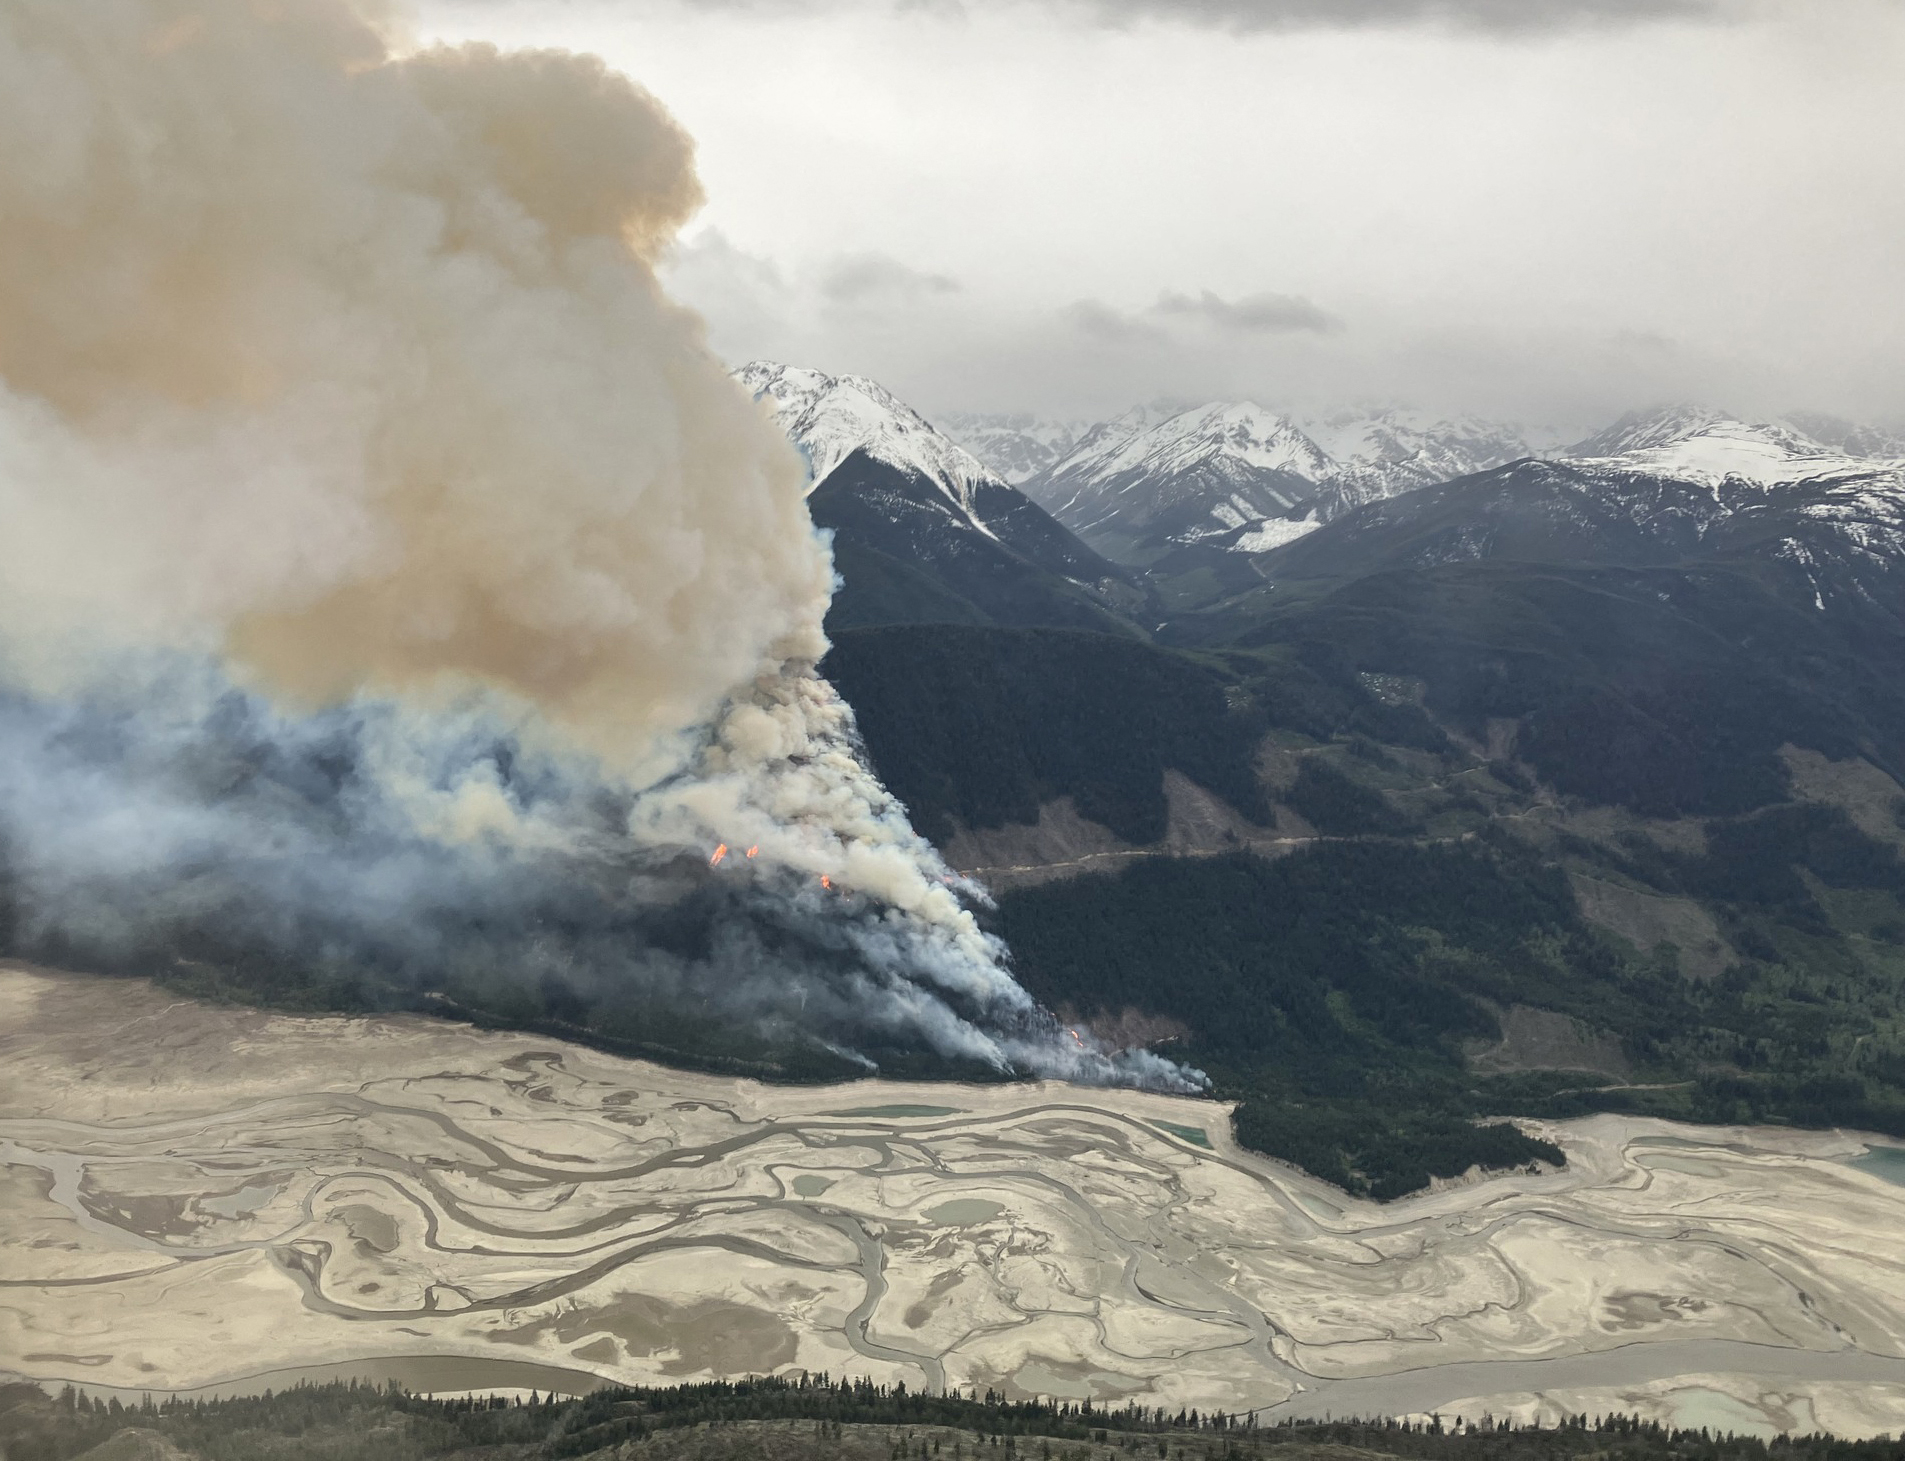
(799,1419)
(1638,740)
(906,554)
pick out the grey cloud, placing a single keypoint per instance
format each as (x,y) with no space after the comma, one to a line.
(869,278)
(749,303)
(1506,16)
(1257,314)
(1089,357)
(1642,342)
(1493,15)
(1100,322)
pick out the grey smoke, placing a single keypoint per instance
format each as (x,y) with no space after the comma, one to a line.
(397,595)
(167,823)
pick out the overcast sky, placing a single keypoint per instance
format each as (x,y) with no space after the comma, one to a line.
(1549,210)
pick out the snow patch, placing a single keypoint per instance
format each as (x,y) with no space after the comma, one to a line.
(830,417)
(1697,444)
(1275,532)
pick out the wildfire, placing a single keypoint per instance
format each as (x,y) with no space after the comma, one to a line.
(825,881)
(1077,1039)
(753,851)
(719,853)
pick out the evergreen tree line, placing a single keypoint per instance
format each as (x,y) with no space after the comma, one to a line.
(368,1422)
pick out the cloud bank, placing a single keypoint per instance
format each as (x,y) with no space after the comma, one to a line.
(1507,16)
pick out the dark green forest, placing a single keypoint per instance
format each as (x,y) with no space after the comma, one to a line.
(1662,690)
(807,1419)
(979,726)
(1329,991)
(1336,991)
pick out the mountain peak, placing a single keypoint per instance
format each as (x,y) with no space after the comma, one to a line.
(1015,445)
(1700,444)
(1199,474)
(920,527)
(1653,427)
(1851,437)
(832,416)
(1232,436)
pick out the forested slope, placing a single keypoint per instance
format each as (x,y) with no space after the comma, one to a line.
(804,1418)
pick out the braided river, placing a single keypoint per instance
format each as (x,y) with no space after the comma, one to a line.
(209,1200)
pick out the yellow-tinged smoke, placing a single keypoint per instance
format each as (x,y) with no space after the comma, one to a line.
(342,371)
(354,365)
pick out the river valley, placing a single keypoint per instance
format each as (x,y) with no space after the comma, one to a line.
(208,1200)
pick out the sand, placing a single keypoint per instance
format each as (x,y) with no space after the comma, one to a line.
(209,1199)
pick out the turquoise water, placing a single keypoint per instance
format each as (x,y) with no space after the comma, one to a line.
(1886,1162)
(1195,1135)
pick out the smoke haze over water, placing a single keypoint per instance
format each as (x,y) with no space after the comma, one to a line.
(393,582)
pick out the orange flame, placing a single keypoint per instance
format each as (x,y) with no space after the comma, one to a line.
(719,853)
(825,881)
(752,851)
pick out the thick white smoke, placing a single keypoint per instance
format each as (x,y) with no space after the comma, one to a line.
(386,558)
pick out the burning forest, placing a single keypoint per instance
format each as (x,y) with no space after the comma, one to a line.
(397,590)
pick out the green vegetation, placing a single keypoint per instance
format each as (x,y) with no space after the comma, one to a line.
(1666,691)
(1338,807)
(1330,991)
(1340,994)
(1335,992)
(979,726)
(805,1419)
(1807,1026)
(880,589)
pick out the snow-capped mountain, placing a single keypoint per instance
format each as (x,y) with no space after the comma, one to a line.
(1200,495)
(1199,473)
(1699,444)
(922,529)
(1874,443)
(1378,453)
(1834,517)
(1670,487)
(1016,447)
(1236,476)
(1054,485)
(830,417)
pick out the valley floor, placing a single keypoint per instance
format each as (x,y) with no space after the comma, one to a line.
(215,1199)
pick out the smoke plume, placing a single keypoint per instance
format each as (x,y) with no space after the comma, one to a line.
(394,588)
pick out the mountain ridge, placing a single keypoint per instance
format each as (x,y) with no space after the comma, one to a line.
(923,531)
(1138,487)
(1238,478)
